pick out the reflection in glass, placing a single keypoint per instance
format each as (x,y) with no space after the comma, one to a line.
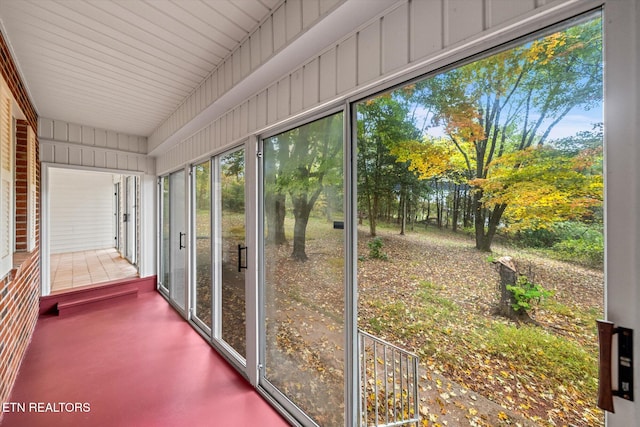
(233,234)
(165,276)
(304,267)
(202,227)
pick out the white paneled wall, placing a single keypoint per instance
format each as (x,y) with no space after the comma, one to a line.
(81,210)
(286,23)
(70,144)
(411,32)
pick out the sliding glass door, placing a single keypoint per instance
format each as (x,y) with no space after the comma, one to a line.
(232,251)
(220,254)
(203,274)
(302,337)
(173,252)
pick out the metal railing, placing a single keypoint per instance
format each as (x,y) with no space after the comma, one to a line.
(388,383)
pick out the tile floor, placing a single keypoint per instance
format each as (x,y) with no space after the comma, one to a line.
(76,269)
(136,363)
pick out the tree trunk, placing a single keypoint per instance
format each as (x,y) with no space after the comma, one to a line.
(276,212)
(508,277)
(301,211)
(456,208)
(403,207)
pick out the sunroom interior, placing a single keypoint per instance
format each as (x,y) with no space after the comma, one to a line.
(317,200)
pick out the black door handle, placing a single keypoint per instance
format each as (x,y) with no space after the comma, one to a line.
(240,265)
(182,246)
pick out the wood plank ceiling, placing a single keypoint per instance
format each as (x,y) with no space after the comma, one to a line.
(122,65)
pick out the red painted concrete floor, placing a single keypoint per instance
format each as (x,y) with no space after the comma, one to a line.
(135,363)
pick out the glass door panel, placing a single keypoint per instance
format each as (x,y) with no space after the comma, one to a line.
(165,236)
(233,252)
(202,294)
(303,255)
(480,200)
(178,237)
(130,218)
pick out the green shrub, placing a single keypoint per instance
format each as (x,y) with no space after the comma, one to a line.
(526,293)
(375,249)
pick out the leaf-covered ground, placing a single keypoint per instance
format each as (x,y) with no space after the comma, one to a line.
(436,294)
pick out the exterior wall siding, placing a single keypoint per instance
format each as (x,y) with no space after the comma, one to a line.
(20,289)
(81,211)
(71,144)
(411,32)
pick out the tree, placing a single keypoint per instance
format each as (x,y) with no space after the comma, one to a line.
(510,102)
(301,164)
(383,123)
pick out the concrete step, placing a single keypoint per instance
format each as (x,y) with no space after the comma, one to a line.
(92,303)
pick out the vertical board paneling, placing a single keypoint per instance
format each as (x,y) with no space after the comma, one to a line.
(222,123)
(326,5)
(123,141)
(266,39)
(328,78)
(500,11)
(262,108)
(132,163)
(311,84)
(229,120)
(60,131)
(245,59)
(220,72)
(236,67)
(284,98)
(256,59)
(112,139)
(123,161)
(347,64)
(101,159)
(244,118)
(294,18)
(296,90)
(61,155)
(228,74)
(101,138)
(88,135)
(368,52)
(45,128)
(272,103)
(112,160)
(75,133)
(236,123)
(279,28)
(88,157)
(395,38)
(310,12)
(208,98)
(463,19)
(75,156)
(47,153)
(253,120)
(215,91)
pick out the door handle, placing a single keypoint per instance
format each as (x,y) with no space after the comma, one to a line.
(606,330)
(182,246)
(240,265)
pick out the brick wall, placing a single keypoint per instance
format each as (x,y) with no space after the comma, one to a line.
(20,289)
